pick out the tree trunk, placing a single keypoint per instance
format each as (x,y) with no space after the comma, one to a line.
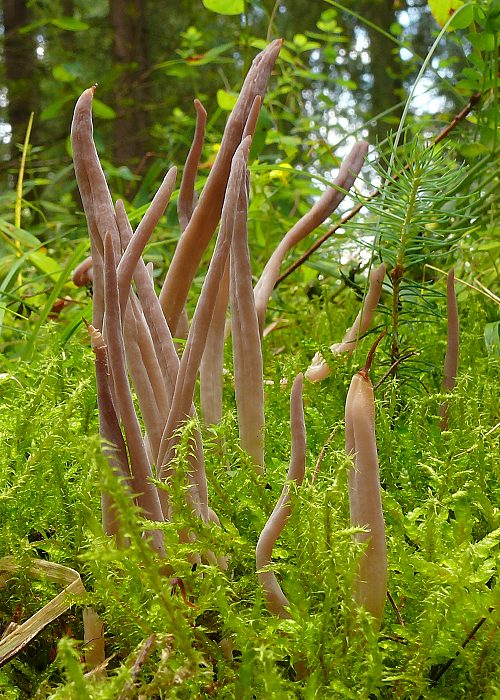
(384,64)
(20,67)
(131,61)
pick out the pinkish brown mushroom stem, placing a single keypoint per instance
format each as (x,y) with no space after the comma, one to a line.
(452,347)
(276,600)
(370,584)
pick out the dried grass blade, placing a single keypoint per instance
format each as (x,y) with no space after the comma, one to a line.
(16,640)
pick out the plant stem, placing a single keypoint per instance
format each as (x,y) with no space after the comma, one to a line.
(399,269)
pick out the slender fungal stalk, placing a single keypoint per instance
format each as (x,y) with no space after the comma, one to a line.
(133,251)
(277,602)
(370,585)
(324,207)
(142,486)
(247,351)
(452,346)
(365,315)
(152,329)
(195,344)
(212,362)
(319,369)
(187,196)
(95,195)
(203,222)
(109,430)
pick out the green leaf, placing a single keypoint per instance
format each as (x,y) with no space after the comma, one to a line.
(472,150)
(53,109)
(442,10)
(226,100)
(225,7)
(463,19)
(492,337)
(18,234)
(101,110)
(62,74)
(70,24)
(45,264)
(482,41)
(396,29)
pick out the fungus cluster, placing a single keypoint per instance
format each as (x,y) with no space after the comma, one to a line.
(133,330)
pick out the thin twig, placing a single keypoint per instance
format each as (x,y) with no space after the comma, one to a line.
(442,669)
(396,609)
(322,454)
(392,368)
(352,213)
(371,354)
(142,655)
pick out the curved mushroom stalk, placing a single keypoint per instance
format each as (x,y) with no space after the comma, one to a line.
(319,368)
(276,600)
(324,207)
(205,216)
(247,350)
(451,358)
(370,585)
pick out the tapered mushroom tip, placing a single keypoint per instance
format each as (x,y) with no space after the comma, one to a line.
(270,53)
(363,145)
(378,273)
(276,44)
(82,275)
(200,109)
(318,369)
(108,246)
(243,149)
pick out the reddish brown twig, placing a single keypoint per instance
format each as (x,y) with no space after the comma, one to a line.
(441,670)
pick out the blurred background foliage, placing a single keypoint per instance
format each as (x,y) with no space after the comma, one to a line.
(345,73)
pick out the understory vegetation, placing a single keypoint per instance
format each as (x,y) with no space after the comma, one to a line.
(178,601)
